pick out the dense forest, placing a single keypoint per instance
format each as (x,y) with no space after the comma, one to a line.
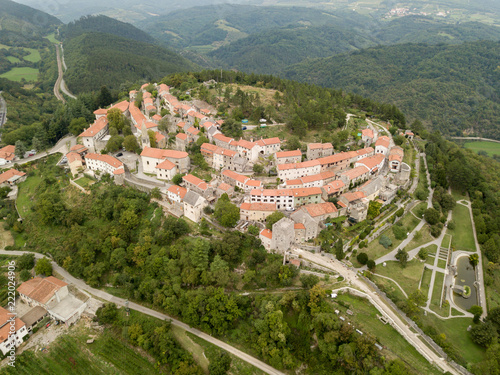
(96,59)
(452,88)
(103,24)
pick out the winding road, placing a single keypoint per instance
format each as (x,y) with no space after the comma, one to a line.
(121,302)
(60,85)
(3,110)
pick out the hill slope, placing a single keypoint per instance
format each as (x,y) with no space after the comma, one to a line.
(103,24)
(97,59)
(453,88)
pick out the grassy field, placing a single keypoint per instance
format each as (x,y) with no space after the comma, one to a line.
(438,288)
(407,277)
(16,74)
(389,287)
(457,195)
(365,319)
(85,182)
(26,192)
(491,148)
(446,241)
(426,281)
(70,354)
(195,349)
(238,366)
(420,238)
(456,333)
(52,38)
(13,59)
(441,263)
(419,209)
(34,55)
(463,238)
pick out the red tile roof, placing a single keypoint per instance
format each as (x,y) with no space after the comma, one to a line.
(246,144)
(225,151)
(396,153)
(95,128)
(320,209)
(122,106)
(305,192)
(353,196)
(178,190)
(383,141)
(298,226)
(223,138)
(158,153)
(254,183)
(41,290)
(315,146)
(166,164)
(192,130)
(4,319)
(7,175)
(208,148)
(78,148)
(114,162)
(288,154)
(235,176)
(258,206)
(267,233)
(8,152)
(159,137)
(269,141)
(74,156)
(318,177)
(224,186)
(272,192)
(182,136)
(304,164)
(367,132)
(189,178)
(354,173)
(372,161)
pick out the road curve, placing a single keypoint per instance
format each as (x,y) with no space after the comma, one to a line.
(60,85)
(121,302)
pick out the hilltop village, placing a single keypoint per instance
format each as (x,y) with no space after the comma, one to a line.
(309,187)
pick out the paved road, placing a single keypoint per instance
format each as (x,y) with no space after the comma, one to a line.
(3,110)
(476,139)
(60,85)
(61,146)
(134,306)
(351,277)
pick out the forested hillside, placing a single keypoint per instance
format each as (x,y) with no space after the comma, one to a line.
(103,24)
(97,59)
(453,88)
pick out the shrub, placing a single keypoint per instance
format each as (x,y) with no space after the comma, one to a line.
(252,229)
(371,264)
(400,212)
(362,258)
(423,253)
(385,241)
(399,232)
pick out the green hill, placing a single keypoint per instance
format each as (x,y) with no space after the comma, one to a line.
(103,24)
(97,59)
(453,88)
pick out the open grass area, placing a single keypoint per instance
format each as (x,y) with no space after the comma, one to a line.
(441,263)
(419,209)
(491,148)
(407,277)
(420,238)
(17,74)
(457,195)
(85,182)
(437,289)
(26,192)
(34,55)
(238,366)
(389,287)
(426,281)
(70,354)
(456,333)
(446,240)
(13,59)
(463,238)
(455,312)
(51,38)
(195,349)
(365,319)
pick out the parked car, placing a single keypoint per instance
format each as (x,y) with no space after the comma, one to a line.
(119,154)
(47,325)
(244,128)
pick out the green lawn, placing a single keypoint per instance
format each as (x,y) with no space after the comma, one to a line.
(26,192)
(420,238)
(457,195)
(389,287)
(441,263)
(85,182)
(34,55)
(419,209)
(456,333)
(13,59)
(491,148)
(463,238)
(407,277)
(238,366)
(70,354)
(446,241)
(52,38)
(195,349)
(438,288)
(426,281)
(16,74)
(365,319)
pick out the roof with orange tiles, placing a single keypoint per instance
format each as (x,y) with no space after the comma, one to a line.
(351,174)
(223,186)
(192,130)
(208,147)
(219,122)
(246,144)
(144,86)
(122,106)
(221,137)
(367,132)
(205,111)
(298,181)
(95,128)
(158,153)
(254,183)
(364,151)
(114,162)
(7,175)
(267,233)
(136,114)
(5,330)
(101,111)
(189,178)
(159,137)
(41,290)
(336,158)
(181,124)
(78,148)
(166,165)
(268,141)
(272,192)
(185,107)
(341,204)
(178,190)
(323,146)
(8,152)
(396,153)
(150,108)
(288,154)
(383,141)
(318,177)
(147,95)
(333,187)
(409,132)
(305,192)
(72,156)
(353,196)
(225,152)
(298,226)
(182,136)
(119,171)
(320,209)
(304,164)
(372,161)
(208,124)
(163,87)
(235,176)
(258,206)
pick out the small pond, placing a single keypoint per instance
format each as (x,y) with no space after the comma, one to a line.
(465,277)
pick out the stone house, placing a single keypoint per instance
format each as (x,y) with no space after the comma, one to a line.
(194,205)
(319,150)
